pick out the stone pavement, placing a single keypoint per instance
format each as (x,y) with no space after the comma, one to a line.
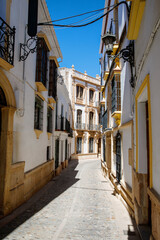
(78,205)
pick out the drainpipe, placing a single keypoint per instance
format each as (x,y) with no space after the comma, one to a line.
(20,111)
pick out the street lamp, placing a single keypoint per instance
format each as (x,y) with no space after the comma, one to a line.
(108,39)
(126,53)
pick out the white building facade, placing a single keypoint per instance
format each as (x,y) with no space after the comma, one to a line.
(131,133)
(63,134)
(84,93)
(28,94)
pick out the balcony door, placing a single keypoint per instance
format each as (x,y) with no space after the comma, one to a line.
(79,119)
(91,115)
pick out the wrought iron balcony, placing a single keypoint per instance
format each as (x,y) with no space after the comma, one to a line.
(80,126)
(93,127)
(97,104)
(60,123)
(7,40)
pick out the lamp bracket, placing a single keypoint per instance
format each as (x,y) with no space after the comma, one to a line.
(128,54)
(29,47)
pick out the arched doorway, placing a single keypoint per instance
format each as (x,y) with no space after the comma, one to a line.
(3,103)
(7,110)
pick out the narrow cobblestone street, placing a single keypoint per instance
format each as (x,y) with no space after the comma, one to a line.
(78,204)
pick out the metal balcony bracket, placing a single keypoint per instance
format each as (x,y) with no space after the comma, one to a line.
(29,47)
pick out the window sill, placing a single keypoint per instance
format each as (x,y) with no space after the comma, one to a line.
(38,133)
(51,100)
(5,65)
(117,116)
(40,87)
(49,135)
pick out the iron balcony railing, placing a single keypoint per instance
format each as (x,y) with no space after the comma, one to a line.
(94,127)
(81,126)
(60,123)
(69,129)
(97,104)
(7,40)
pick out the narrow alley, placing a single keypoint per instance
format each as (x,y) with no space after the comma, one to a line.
(79,204)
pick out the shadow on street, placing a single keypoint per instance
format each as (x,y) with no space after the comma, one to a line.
(49,192)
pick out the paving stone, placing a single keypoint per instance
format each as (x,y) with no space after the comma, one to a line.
(77,205)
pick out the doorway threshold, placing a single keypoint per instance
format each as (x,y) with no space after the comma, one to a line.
(144,231)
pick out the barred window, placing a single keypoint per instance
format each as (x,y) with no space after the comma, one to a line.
(52,79)
(116,93)
(79,92)
(38,114)
(42,60)
(91,145)
(79,145)
(49,120)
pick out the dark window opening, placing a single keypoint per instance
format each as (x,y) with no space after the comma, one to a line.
(79,145)
(42,60)
(91,145)
(49,120)
(38,114)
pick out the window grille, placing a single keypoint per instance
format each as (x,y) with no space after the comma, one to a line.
(116,93)
(49,120)
(52,79)
(42,60)
(38,115)
(91,145)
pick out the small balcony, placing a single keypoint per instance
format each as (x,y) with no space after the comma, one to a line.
(7,40)
(93,127)
(80,126)
(69,129)
(60,123)
(97,103)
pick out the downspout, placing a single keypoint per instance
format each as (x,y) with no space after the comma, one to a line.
(20,111)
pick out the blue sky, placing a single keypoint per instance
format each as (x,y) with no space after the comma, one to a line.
(79,46)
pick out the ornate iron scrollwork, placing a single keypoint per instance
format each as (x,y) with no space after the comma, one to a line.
(128,54)
(7,40)
(29,47)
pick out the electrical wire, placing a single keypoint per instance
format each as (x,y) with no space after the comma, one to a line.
(86,24)
(78,15)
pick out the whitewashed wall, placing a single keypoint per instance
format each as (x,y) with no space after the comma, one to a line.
(151,67)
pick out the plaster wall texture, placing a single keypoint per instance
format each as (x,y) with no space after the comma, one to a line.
(125,94)
(148,22)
